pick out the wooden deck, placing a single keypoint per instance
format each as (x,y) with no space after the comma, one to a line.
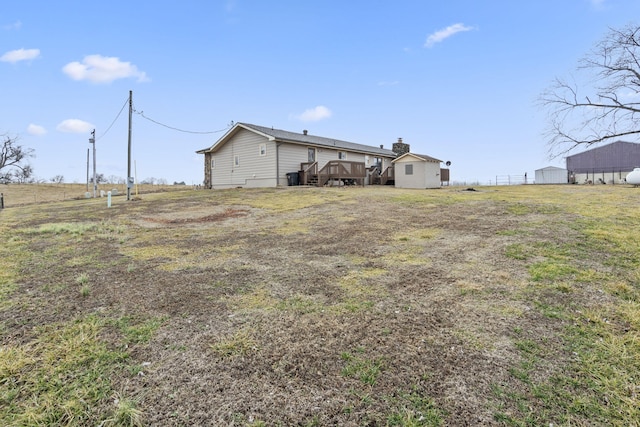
(340,172)
(334,172)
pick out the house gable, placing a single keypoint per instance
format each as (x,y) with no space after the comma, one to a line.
(245,159)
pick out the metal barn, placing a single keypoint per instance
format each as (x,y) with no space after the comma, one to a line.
(608,164)
(551,175)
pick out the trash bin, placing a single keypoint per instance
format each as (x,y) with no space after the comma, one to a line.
(293,178)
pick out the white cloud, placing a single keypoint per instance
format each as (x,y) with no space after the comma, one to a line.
(314,114)
(103,69)
(445,33)
(36,130)
(74,126)
(598,4)
(14,26)
(14,56)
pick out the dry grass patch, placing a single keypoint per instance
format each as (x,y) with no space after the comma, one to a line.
(259,298)
(331,306)
(283,200)
(360,283)
(240,343)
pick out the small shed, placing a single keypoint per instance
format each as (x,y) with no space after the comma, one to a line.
(552,175)
(416,171)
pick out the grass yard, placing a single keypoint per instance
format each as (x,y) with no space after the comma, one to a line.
(506,306)
(29,194)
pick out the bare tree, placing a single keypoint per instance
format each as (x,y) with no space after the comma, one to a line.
(100,178)
(24,175)
(607,107)
(148,181)
(58,179)
(13,164)
(114,179)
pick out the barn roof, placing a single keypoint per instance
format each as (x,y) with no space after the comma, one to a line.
(619,156)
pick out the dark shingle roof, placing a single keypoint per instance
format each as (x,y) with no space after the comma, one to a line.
(300,138)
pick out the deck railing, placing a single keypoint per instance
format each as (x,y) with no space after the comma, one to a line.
(307,170)
(387,175)
(339,170)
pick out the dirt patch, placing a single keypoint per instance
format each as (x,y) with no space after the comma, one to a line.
(180,218)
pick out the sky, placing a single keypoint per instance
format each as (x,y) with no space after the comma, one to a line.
(456,80)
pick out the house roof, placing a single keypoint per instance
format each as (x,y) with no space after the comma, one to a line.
(421,157)
(279,135)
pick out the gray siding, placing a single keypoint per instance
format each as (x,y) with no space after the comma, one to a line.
(253,170)
(293,155)
(615,157)
(325,155)
(291,158)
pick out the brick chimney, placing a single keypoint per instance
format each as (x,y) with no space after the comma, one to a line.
(400,147)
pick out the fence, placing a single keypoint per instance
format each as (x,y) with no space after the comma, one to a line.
(511,179)
(1,200)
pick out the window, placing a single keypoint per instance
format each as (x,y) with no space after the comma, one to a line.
(236,160)
(342,155)
(213,163)
(311,155)
(408,169)
(377,161)
(262,149)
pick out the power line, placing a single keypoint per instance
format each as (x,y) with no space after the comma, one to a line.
(114,120)
(141,113)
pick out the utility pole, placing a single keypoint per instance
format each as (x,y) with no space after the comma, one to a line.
(92,140)
(129,177)
(87,170)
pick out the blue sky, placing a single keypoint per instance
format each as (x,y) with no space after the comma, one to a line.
(457,80)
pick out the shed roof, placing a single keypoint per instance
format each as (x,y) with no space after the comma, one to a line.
(421,157)
(551,168)
(299,138)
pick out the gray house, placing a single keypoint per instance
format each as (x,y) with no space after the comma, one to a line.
(606,164)
(257,156)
